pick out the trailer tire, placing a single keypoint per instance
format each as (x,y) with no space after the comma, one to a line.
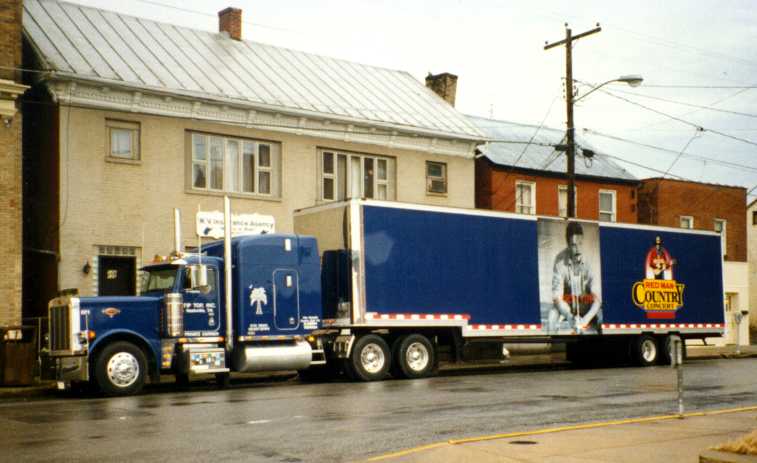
(646,350)
(370,359)
(413,357)
(223,380)
(120,369)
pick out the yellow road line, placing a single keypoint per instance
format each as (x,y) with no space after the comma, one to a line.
(575,427)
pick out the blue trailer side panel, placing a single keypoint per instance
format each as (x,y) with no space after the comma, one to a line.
(430,262)
(697,265)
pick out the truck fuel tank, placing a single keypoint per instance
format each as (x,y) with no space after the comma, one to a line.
(262,357)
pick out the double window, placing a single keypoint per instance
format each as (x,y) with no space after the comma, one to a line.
(607,206)
(525,197)
(349,175)
(235,165)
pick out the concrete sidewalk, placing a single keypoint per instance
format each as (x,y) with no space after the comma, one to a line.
(648,440)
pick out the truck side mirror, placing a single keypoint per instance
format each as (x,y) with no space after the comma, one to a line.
(198,276)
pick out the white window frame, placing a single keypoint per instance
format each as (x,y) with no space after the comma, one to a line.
(519,206)
(133,128)
(272,170)
(723,234)
(614,212)
(560,190)
(387,185)
(687,218)
(432,178)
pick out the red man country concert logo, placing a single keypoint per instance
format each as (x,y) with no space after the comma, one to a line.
(659,295)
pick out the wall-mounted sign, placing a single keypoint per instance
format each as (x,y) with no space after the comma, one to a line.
(210,224)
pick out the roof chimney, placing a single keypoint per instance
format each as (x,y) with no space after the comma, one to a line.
(230,21)
(444,85)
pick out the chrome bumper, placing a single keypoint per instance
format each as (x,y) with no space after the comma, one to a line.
(68,369)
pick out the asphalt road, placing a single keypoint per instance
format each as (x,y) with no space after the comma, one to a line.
(286,421)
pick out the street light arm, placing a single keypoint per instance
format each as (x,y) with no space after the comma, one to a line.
(632,80)
(594,89)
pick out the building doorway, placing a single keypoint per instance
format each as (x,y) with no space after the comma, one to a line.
(117,276)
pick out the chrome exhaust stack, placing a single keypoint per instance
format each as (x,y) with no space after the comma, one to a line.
(227,271)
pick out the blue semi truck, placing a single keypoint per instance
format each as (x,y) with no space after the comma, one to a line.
(373,289)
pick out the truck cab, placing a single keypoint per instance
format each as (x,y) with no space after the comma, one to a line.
(187,321)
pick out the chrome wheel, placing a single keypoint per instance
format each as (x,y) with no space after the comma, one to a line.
(123,369)
(417,356)
(649,350)
(372,358)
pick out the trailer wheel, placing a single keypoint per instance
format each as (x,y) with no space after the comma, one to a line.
(120,369)
(413,356)
(370,359)
(646,350)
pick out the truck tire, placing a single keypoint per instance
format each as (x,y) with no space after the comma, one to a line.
(666,351)
(370,359)
(413,356)
(223,380)
(120,369)
(646,350)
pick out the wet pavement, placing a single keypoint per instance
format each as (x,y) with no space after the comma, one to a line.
(283,420)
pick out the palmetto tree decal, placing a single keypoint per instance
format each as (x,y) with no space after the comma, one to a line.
(258,297)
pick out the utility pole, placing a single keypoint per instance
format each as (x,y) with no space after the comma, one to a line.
(571,134)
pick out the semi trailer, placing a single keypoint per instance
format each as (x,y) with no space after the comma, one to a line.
(376,289)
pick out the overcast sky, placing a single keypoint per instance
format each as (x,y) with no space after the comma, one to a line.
(497,50)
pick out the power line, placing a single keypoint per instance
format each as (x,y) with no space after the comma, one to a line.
(202,13)
(716,87)
(708,108)
(668,150)
(683,121)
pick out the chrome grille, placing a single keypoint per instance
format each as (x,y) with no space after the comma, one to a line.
(60,329)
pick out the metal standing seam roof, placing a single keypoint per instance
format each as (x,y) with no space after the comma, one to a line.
(536,155)
(90,43)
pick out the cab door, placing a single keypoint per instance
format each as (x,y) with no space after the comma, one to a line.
(201,308)
(286,299)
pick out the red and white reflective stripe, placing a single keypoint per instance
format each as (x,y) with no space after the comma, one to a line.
(417,316)
(633,326)
(506,327)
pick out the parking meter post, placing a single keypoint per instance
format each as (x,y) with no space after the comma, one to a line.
(676,361)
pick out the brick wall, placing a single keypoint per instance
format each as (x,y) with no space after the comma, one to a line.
(10,172)
(495,189)
(664,201)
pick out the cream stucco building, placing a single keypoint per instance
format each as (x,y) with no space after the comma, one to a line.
(147,117)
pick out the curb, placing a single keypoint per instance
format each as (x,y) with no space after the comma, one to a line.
(716,456)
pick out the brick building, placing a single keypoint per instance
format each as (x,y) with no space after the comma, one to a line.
(751,226)
(11,178)
(144,116)
(514,175)
(703,206)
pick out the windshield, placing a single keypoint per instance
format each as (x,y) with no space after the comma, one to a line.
(158,278)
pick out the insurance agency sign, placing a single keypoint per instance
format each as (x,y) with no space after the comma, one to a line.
(210,224)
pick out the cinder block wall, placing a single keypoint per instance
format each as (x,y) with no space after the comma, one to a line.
(10,172)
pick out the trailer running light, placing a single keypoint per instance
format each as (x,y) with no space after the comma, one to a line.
(183,340)
(90,334)
(311,339)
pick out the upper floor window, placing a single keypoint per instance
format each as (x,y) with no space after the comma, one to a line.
(720,227)
(754,217)
(235,165)
(562,200)
(687,221)
(607,205)
(123,139)
(350,175)
(436,177)
(525,197)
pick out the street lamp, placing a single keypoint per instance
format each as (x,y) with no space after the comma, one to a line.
(633,80)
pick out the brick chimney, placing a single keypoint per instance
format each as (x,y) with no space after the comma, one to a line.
(444,85)
(230,21)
